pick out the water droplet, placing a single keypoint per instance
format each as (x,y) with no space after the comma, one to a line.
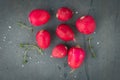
(94,32)
(22,65)
(98,43)
(76,12)
(9,27)
(4,37)
(38,62)
(30,57)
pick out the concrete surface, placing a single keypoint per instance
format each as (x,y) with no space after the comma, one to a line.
(106,42)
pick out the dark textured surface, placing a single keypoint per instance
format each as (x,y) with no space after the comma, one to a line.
(106,41)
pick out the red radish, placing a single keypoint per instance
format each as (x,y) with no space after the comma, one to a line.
(38,17)
(64,14)
(76,56)
(65,32)
(59,51)
(86,24)
(43,39)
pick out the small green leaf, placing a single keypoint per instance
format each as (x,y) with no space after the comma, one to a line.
(93,55)
(21,45)
(90,38)
(25,57)
(23,25)
(25,61)
(91,47)
(31,30)
(31,46)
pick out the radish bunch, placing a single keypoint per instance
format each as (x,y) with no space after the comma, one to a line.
(85,25)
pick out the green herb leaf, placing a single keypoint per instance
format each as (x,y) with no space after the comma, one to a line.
(21,45)
(25,57)
(90,38)
(23,25)
(32,46)
(91,47)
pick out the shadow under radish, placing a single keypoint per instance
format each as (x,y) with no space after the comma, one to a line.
(53,35)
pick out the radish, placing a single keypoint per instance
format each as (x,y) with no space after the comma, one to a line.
(65,32)
(43,39)
(64,14)
(38,17)
(76,56)
(86,24)
(59,51)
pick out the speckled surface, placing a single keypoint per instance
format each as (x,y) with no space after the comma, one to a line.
(106,41)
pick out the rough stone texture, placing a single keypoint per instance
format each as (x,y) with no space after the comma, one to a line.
(106,41)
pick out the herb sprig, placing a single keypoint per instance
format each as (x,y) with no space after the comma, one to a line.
(91,47)
(23,25)
(32,46)
(27,48)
